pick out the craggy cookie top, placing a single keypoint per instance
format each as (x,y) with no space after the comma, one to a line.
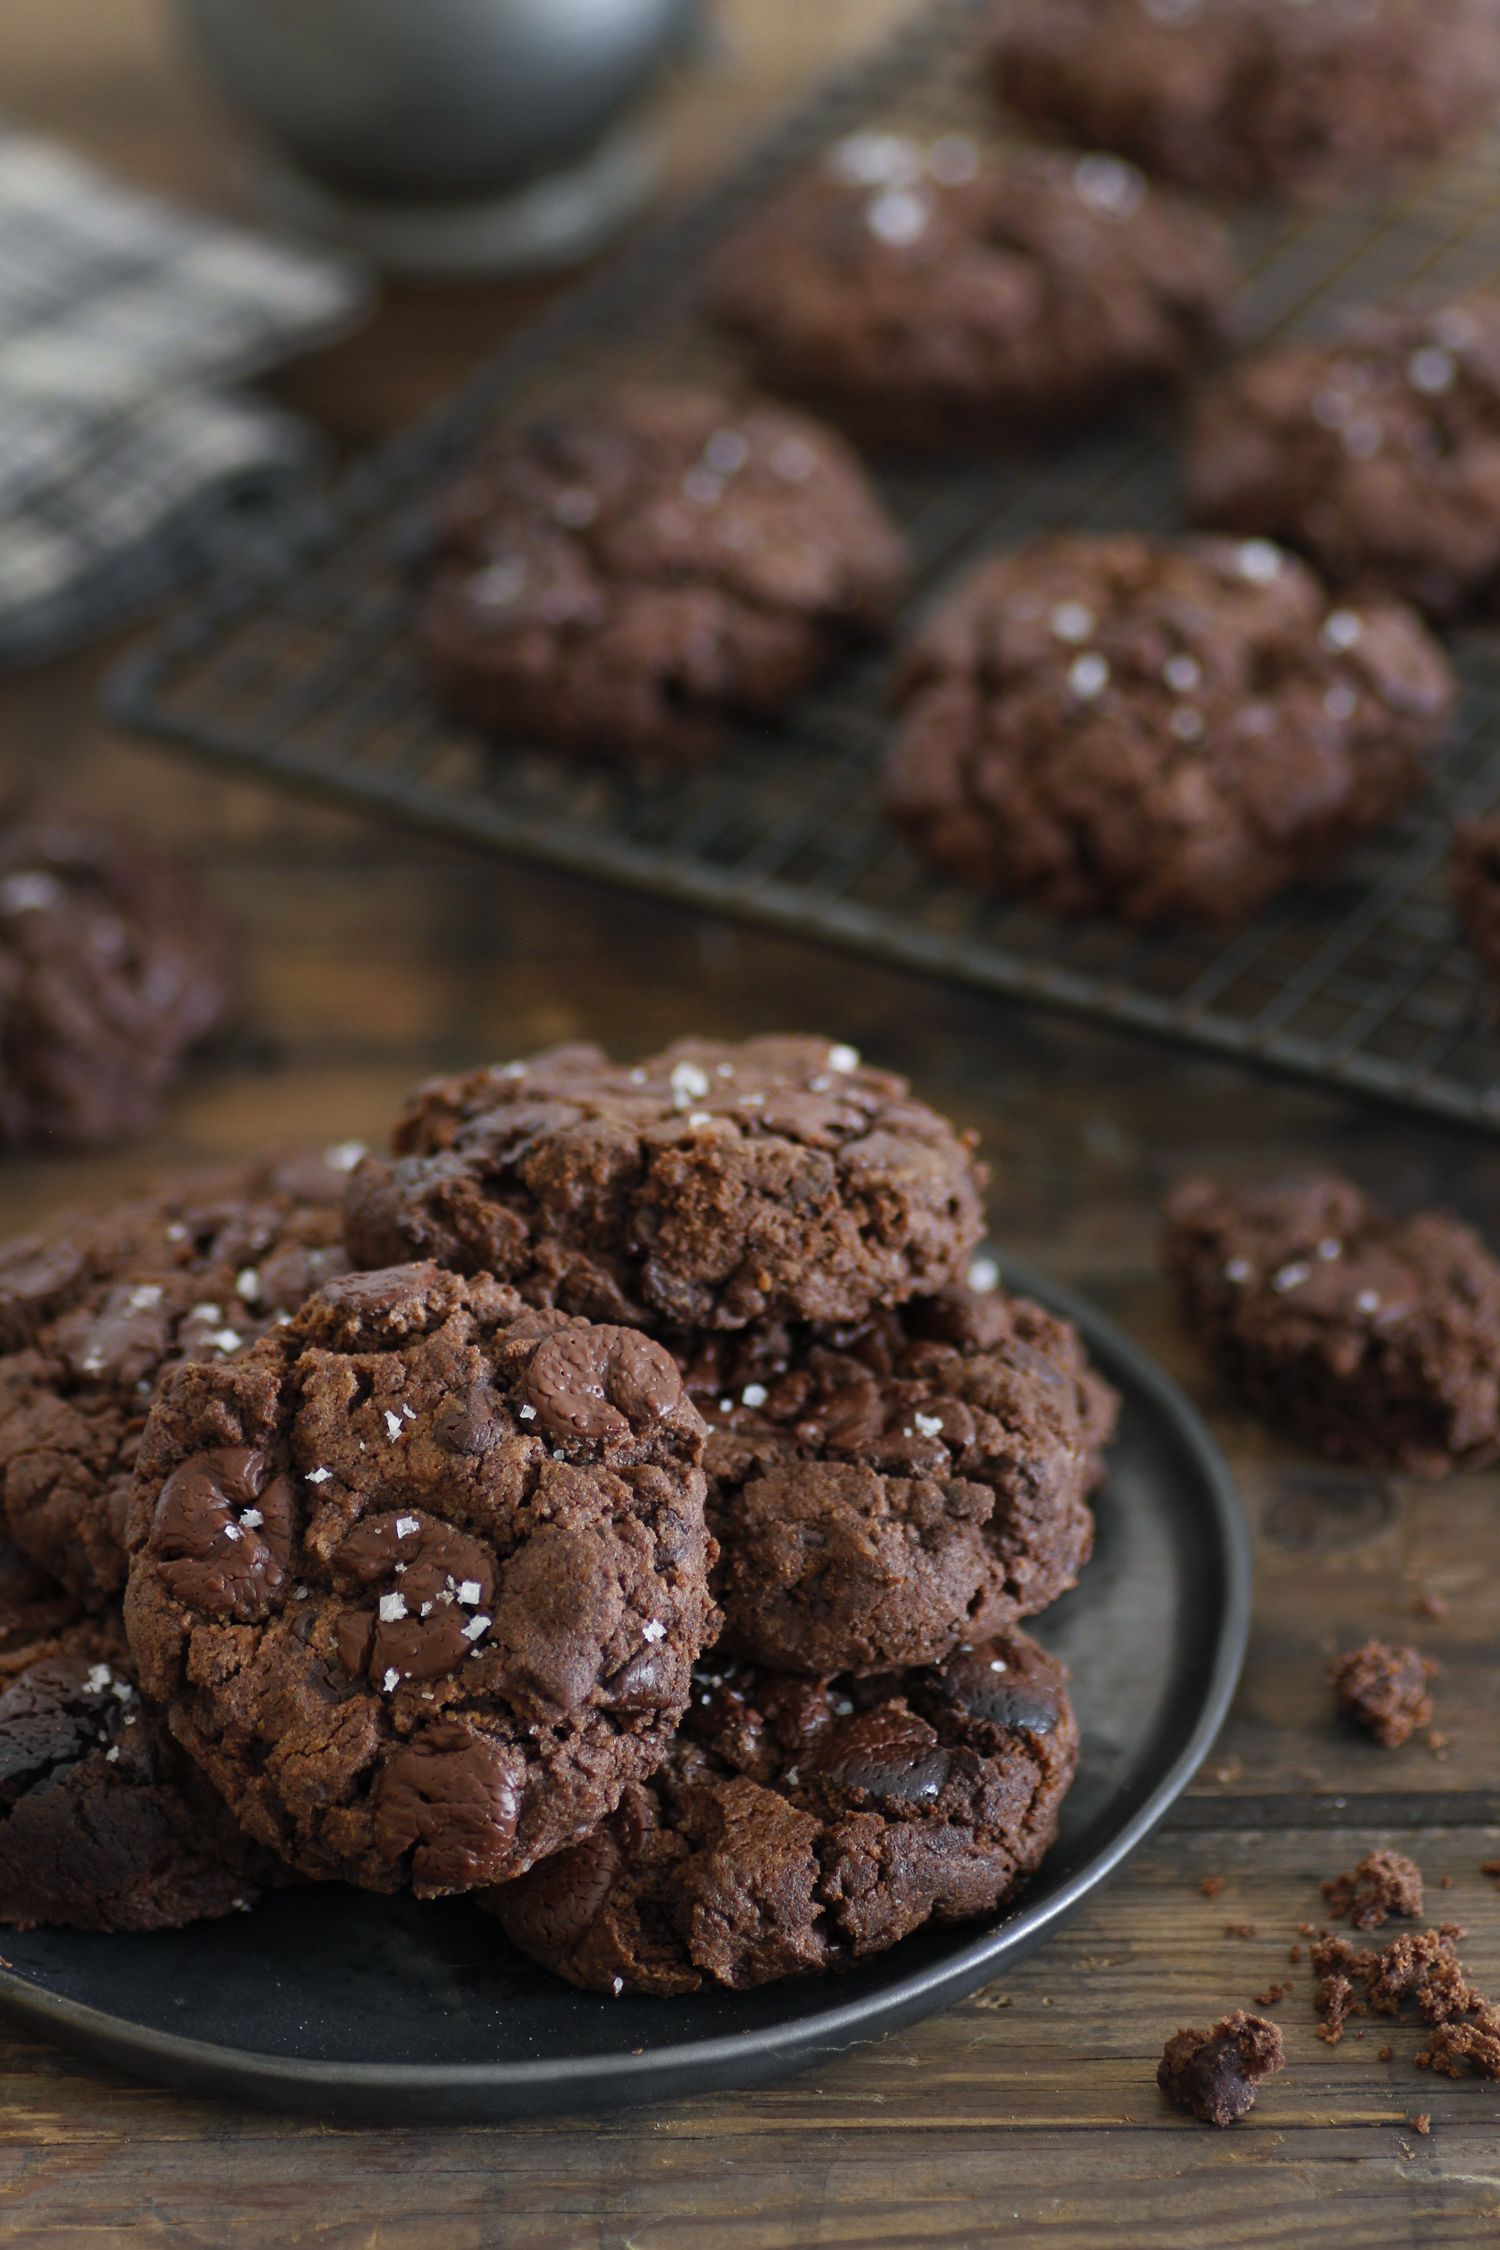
(111,966)
(1378,1337)
(104,1824)
(94,1308)
(1376,453)
(626,577)
(1157,730)
(421,1576)
(802,1825)
(710,1186)
(936,295)
(1237,96)
(883,1491)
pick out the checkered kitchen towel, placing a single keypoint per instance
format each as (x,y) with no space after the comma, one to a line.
(125,466)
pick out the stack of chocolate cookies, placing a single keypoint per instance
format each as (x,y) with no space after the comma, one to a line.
(620,1504)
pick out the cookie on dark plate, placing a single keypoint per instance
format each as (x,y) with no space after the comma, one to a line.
(935,296)
(1157,731)
(1377,453)
(97,1305)
(884,1491)
(1377,1338)
(420,1577)
(112,966)
(800,1826)
(1241,97)
(104,1824)
(629,578)
(710,1186)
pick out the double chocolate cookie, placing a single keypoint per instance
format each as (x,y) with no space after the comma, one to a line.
(112,965)
(628,578)
(94,1309)
(708,1187)
(420,1577)
(800,1826)
(104,1824)
(1378,1338)
(1377,454)
(934,296)
(1242,96)
(1157,731)
(884,1491)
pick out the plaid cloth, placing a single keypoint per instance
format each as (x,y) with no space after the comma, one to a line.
(121,471)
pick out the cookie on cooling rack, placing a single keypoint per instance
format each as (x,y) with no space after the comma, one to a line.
(888,1489)
(933,296)
(1374,453)
(1157,731)
(801,1825)
(628,578)
(1244,96)
(420,1578)
(709,1186)
(97,1305)
(112,966)
(1377,1338)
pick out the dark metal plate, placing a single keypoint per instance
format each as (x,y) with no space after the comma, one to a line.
(332,2001)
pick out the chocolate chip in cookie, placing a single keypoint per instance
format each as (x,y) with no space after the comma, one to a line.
(710,1186)
(629,578)
(1157,731)
(934,296)
(421,1576)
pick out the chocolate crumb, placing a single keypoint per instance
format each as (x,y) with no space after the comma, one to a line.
(1241,1929)
(1295,1955)
(1385,1690)
(1384,1884)
(1270,1996)
(1434,1605)
(1213,2074)
(1211,1885)
(1421,2123)
(1384,2054)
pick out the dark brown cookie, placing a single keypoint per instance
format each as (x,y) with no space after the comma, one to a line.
(1475,869)
(1385,1690)
(1377,1338)
(93,1309)
(1375,454)
(104,1824)
(421,1576)
(710,1186)
(112,965)
(934,296)
(1115,725)
(1242,96)
(882,1492)
(802,1825)
(627,579)
(1214,2074)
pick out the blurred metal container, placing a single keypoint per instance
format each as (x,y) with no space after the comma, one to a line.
(448,134)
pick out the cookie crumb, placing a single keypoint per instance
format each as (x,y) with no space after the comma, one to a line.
(1211,1885)
(1270,1996)
(1241,1929)
(1433,1605)
(1213,2074)
(1384,2054)
(1421,2123)
(1383,1885)
(1385,1690)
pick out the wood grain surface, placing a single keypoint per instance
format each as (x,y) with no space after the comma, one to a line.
(1030,2113)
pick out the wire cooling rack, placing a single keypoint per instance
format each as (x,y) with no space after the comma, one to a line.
(302,669)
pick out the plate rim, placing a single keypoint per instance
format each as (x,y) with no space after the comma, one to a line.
(592,2081)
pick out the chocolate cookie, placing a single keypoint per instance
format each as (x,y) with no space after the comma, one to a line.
(1377,1338)
(96,1307)
(421,1576)
(884,1491)
(35,1611)
(710,1186)
(1475,868)
(627,579)
(934,296)
(104,1824)
(802,1825)
(1245,96)
(112,965)
(1375,454)
(1160,732)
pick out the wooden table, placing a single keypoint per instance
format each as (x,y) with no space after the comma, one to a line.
(1031,2112)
